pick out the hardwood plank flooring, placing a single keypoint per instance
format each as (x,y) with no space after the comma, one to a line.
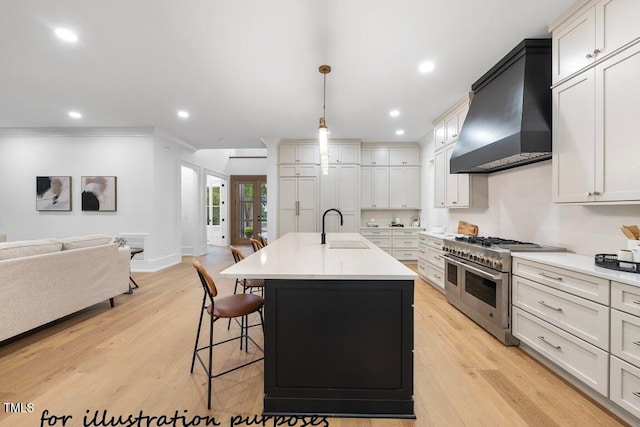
(136,357)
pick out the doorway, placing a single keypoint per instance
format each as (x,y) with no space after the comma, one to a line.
(215,197)
(248,208)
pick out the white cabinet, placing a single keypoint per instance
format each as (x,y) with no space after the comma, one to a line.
(565,316)
(340,153)
(381,237)
(595,140)
(340,189)
(404,187)
(375,187)
(453,123)
(298,205)
(299,153)
(454,190)
(297,170)
(401,243)
(374,156)
(404,156)
(431,260)
(592,33)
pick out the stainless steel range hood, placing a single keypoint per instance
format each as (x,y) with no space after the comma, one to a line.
(509,119)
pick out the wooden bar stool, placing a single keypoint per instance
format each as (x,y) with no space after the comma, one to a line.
(230,307)
(257,244)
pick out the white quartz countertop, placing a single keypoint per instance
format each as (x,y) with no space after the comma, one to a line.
(579,263)
(301,256)
(391,228)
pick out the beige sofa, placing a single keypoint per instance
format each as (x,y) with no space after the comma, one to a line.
(44,280)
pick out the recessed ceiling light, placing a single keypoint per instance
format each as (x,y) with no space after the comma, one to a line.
(66,35)
(394,113)
(426,67)
(399,132)
(75,115)
(183,114)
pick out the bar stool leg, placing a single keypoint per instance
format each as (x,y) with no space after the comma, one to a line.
(210,373)
(195,348)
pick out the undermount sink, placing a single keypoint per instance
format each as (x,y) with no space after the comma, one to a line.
(347,244)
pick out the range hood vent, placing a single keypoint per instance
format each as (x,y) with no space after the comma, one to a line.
(509,119)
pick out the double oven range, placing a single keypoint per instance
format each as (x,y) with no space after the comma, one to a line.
(478,280)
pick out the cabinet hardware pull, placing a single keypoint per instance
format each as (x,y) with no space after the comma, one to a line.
(597,51)
(454,203)
(437,277)
(636,394)
(596,193)
(589,55)
(541,338)
(636,302)
(550,306)
(454,135)
(637,343)
(588,194)
(550,277)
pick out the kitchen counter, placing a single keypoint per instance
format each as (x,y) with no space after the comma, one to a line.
(579,263)
(338,327)
(301,256)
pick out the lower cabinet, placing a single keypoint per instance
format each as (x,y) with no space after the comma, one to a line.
(401,243)
(588,326)
(431,260)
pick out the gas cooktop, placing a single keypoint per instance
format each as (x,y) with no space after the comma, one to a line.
(506,244)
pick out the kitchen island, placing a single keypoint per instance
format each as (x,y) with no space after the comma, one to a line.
(338,326)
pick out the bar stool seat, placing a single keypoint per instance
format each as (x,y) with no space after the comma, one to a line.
(236,305)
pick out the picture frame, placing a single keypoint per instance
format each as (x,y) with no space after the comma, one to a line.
(53,193)
(99,193)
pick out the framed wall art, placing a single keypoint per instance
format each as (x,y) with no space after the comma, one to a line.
(99,193)
(53,193)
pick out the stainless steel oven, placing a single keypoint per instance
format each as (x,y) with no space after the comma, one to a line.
(477,280)
(482,294)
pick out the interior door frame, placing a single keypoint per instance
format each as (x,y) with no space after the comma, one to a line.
(234,181)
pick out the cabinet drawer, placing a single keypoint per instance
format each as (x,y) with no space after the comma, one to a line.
(625,385)
(405,254)
(625,336)
(582,285)
(625,298)
(434,242)
(380,241)
(405,242)
(584,361)
(435,257)
(422,268)
(585,319)
(405,233)
(373,233)
(422,251)
(435,276)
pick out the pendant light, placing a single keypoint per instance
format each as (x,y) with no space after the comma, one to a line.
(323,131)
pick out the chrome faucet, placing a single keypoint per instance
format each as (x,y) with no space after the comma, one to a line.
(324,236)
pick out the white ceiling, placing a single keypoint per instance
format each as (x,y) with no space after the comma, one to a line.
(248,69)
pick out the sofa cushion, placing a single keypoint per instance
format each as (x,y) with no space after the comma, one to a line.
(19,249)
(85,241)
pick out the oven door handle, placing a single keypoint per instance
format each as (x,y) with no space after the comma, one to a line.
(475,269)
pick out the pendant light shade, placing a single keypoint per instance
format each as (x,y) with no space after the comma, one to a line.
(323,131)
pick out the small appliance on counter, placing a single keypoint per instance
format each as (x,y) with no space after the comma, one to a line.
(372,223)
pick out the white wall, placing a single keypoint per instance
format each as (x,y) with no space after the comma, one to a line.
(520,208)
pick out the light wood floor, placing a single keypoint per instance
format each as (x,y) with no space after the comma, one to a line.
(136,357)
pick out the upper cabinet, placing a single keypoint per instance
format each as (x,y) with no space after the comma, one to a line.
(344,153)
(590,32)
(404,156)
(291,153)
(596,103)
(375,156)
(447,129)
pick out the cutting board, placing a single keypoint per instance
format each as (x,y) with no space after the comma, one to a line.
(467,229)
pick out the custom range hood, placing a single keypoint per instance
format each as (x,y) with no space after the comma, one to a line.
(509,119)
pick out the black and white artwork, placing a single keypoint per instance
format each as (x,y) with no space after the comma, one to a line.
(53,193)
(99,193)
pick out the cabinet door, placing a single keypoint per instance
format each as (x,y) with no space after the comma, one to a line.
(366,187)
(617,23)
(329,189)
(349,153)
(412,187)
(457,184)
(287,212)
(573,45)
(287,154)
(440,179)
(381,187)
(307,170)
(308,204)
(287,170)
(574,139)
(404,156)
(347,188)
(308,154)
(451,128)
(617,142)
(396,185)
(439,135)
(381,156)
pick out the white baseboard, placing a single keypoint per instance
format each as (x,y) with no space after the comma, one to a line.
(153,265)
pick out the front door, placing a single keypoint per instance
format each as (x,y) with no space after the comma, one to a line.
(249,208)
